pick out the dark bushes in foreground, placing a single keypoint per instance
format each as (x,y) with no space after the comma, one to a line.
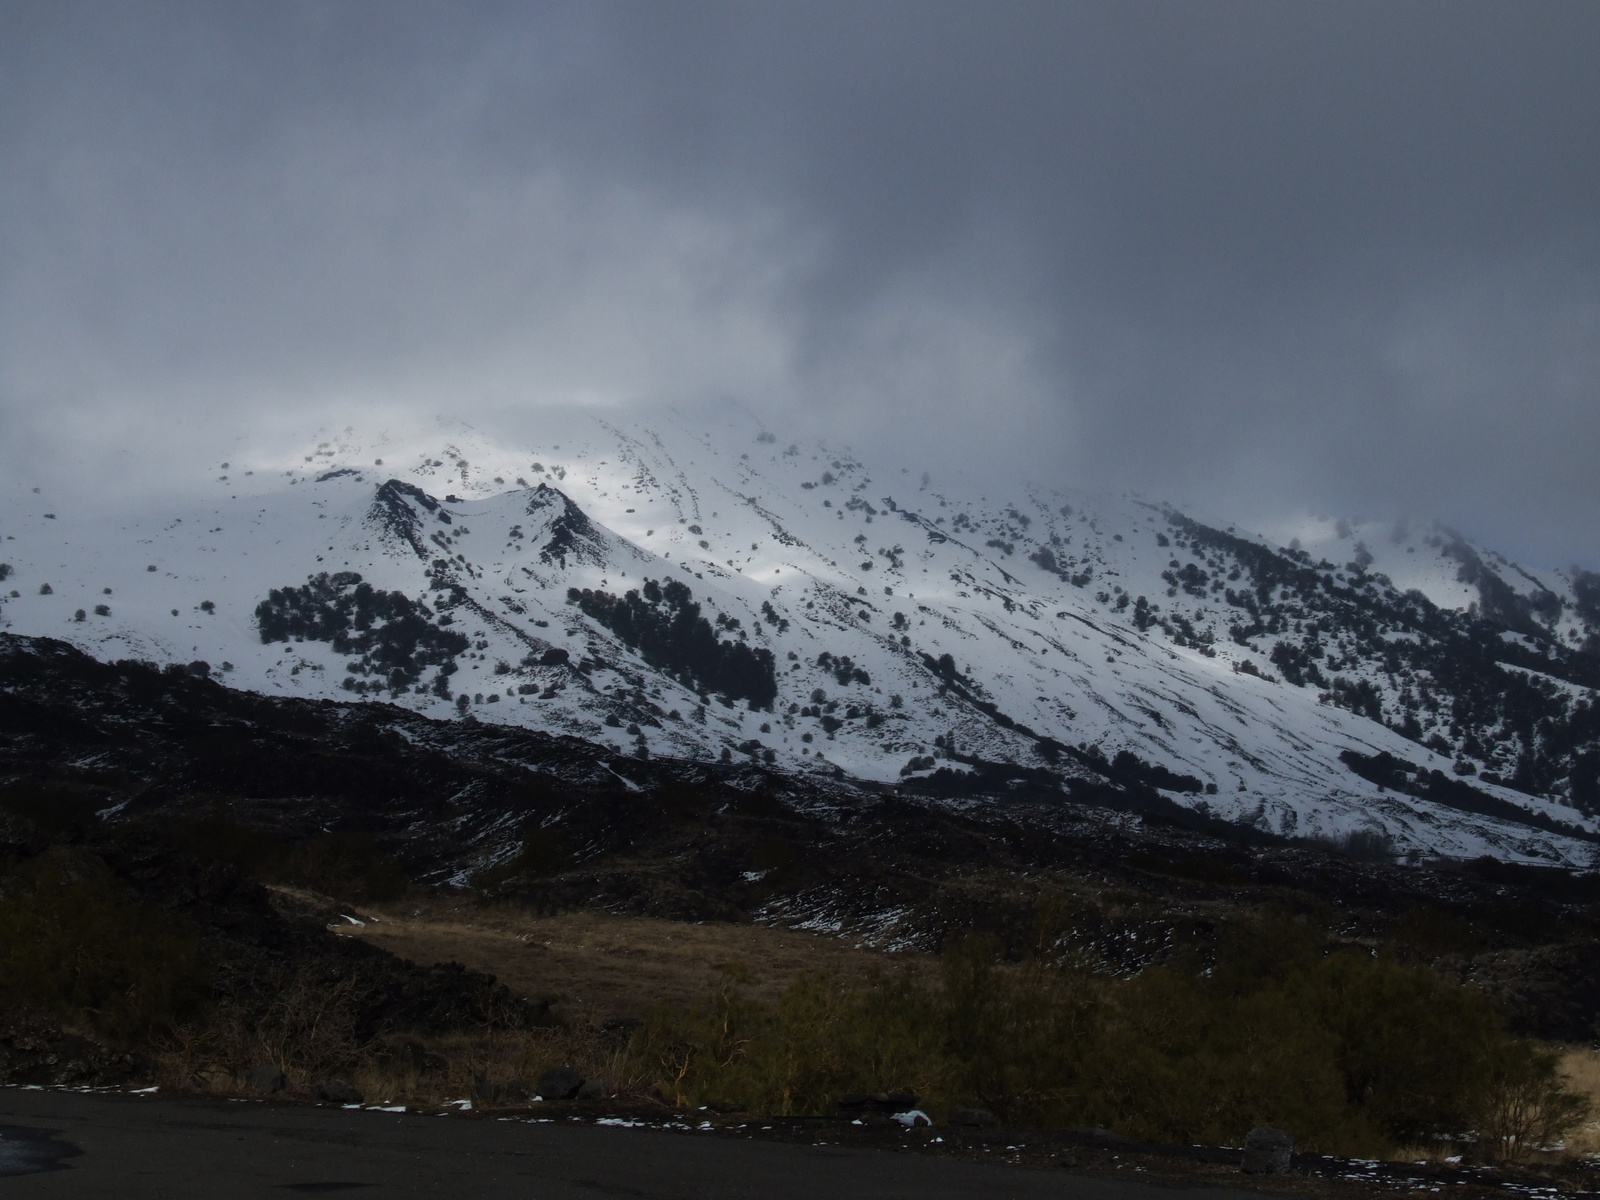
(1350,1052)
(77,943)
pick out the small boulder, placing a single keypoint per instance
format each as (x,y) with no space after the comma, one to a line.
(266,1079)
(973,1118)
(336,1091)
(1266,1152)
(597,1089)
(559,1083)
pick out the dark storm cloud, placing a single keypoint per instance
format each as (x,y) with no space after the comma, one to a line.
(1254,254)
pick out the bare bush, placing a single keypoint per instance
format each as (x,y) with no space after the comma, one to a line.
(311,1030)
(1527,1105)
(307,1029)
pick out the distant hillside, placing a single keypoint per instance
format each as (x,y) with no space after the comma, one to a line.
(724,595)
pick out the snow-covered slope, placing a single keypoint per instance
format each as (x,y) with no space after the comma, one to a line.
(854,618)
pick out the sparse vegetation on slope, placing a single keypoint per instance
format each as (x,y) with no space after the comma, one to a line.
(1452,680)
(664,625)
(394,637)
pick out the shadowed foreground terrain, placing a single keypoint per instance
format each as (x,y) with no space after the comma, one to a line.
(197,882)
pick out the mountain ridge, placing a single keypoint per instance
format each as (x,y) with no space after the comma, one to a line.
(1013,643)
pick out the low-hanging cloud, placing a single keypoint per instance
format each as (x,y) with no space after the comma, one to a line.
(1256,255)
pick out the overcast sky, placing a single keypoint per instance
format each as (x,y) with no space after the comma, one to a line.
(1256,257)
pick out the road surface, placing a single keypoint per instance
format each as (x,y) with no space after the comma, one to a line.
(134,1147)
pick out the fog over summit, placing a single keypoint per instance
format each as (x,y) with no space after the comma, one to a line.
(700,589)
(1259,260)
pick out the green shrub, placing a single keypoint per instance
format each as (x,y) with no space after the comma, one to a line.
(1413,1049)
(822,1036)
(1183,1060)
(1349,1051)
(1007,1039)
(1016,1038)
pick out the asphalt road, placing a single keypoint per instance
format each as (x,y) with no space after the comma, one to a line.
(117,1146)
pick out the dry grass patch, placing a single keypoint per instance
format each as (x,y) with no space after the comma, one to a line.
(600,973)
(489,1067)
(1436,1152)
(596,968)
(1580,1066)
(309,1031)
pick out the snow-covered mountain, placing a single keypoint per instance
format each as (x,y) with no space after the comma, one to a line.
(675,588)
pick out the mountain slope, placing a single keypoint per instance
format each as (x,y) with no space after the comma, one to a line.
(673,591)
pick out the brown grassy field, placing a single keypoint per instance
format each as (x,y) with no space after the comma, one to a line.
(594,967)
(1581,1067)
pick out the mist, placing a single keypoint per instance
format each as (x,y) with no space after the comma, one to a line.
(1247,256)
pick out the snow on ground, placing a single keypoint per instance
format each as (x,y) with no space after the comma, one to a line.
(811,551)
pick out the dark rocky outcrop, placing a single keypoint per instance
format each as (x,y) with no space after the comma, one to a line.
(1266,1152)
(266,1079)
(336,1091)
(559,1083)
